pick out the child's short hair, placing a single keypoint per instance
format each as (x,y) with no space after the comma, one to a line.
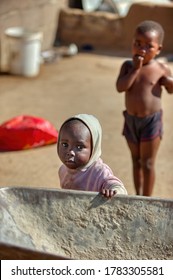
(149,25)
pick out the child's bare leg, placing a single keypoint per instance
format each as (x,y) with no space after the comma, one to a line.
(137,169)
(148,151)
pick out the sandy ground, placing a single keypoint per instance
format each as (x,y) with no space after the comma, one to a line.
(80,84)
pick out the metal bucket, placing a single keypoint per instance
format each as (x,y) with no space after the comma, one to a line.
(24,49)
(50,223)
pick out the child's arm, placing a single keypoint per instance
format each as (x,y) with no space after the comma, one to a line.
(167,80)
(128,73)
(108,184)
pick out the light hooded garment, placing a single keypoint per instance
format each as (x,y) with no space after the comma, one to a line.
(95,175)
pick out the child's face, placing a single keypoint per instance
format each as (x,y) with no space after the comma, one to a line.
(146,45)
(75,144)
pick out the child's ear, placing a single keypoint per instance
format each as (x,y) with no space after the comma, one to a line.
(159,49)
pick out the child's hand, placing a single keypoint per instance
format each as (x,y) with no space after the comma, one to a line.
(167,82)
(108,193)
(137,61)
(163,81)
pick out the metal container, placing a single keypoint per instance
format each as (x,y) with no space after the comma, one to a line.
(54,223)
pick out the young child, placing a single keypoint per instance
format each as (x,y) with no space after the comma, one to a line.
(142,78)
(79,149)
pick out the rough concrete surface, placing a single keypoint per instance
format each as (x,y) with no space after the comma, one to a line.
(83,225)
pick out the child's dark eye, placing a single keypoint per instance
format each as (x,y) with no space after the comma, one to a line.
(79,147)
(65,145)
(150,46)
(137,44)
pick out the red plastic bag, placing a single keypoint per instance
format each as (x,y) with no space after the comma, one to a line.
(26,132)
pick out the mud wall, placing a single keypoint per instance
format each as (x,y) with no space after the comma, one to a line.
(105,30)
(99,29)
(39,15)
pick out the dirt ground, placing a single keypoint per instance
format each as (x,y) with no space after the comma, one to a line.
(80,84)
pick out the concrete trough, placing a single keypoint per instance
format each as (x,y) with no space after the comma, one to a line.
(57,224)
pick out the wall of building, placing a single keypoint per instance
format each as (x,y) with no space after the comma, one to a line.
(99,29)
(36,15)
(108,31)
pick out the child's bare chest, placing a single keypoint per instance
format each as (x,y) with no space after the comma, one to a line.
(148,76)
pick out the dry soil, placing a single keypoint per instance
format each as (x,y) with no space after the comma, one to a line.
(84,83)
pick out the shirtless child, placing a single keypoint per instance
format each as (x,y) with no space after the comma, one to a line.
(142,79)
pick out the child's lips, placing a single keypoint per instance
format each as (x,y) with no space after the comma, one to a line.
(70,160)
(139,56)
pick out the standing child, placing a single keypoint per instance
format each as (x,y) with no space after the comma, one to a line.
(142,79)
(79,149)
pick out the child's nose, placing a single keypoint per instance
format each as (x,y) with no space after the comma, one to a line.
(71,152)
(142,51)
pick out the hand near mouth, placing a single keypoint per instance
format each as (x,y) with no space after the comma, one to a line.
(138,61)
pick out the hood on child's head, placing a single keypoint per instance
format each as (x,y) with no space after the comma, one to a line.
(96,132)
